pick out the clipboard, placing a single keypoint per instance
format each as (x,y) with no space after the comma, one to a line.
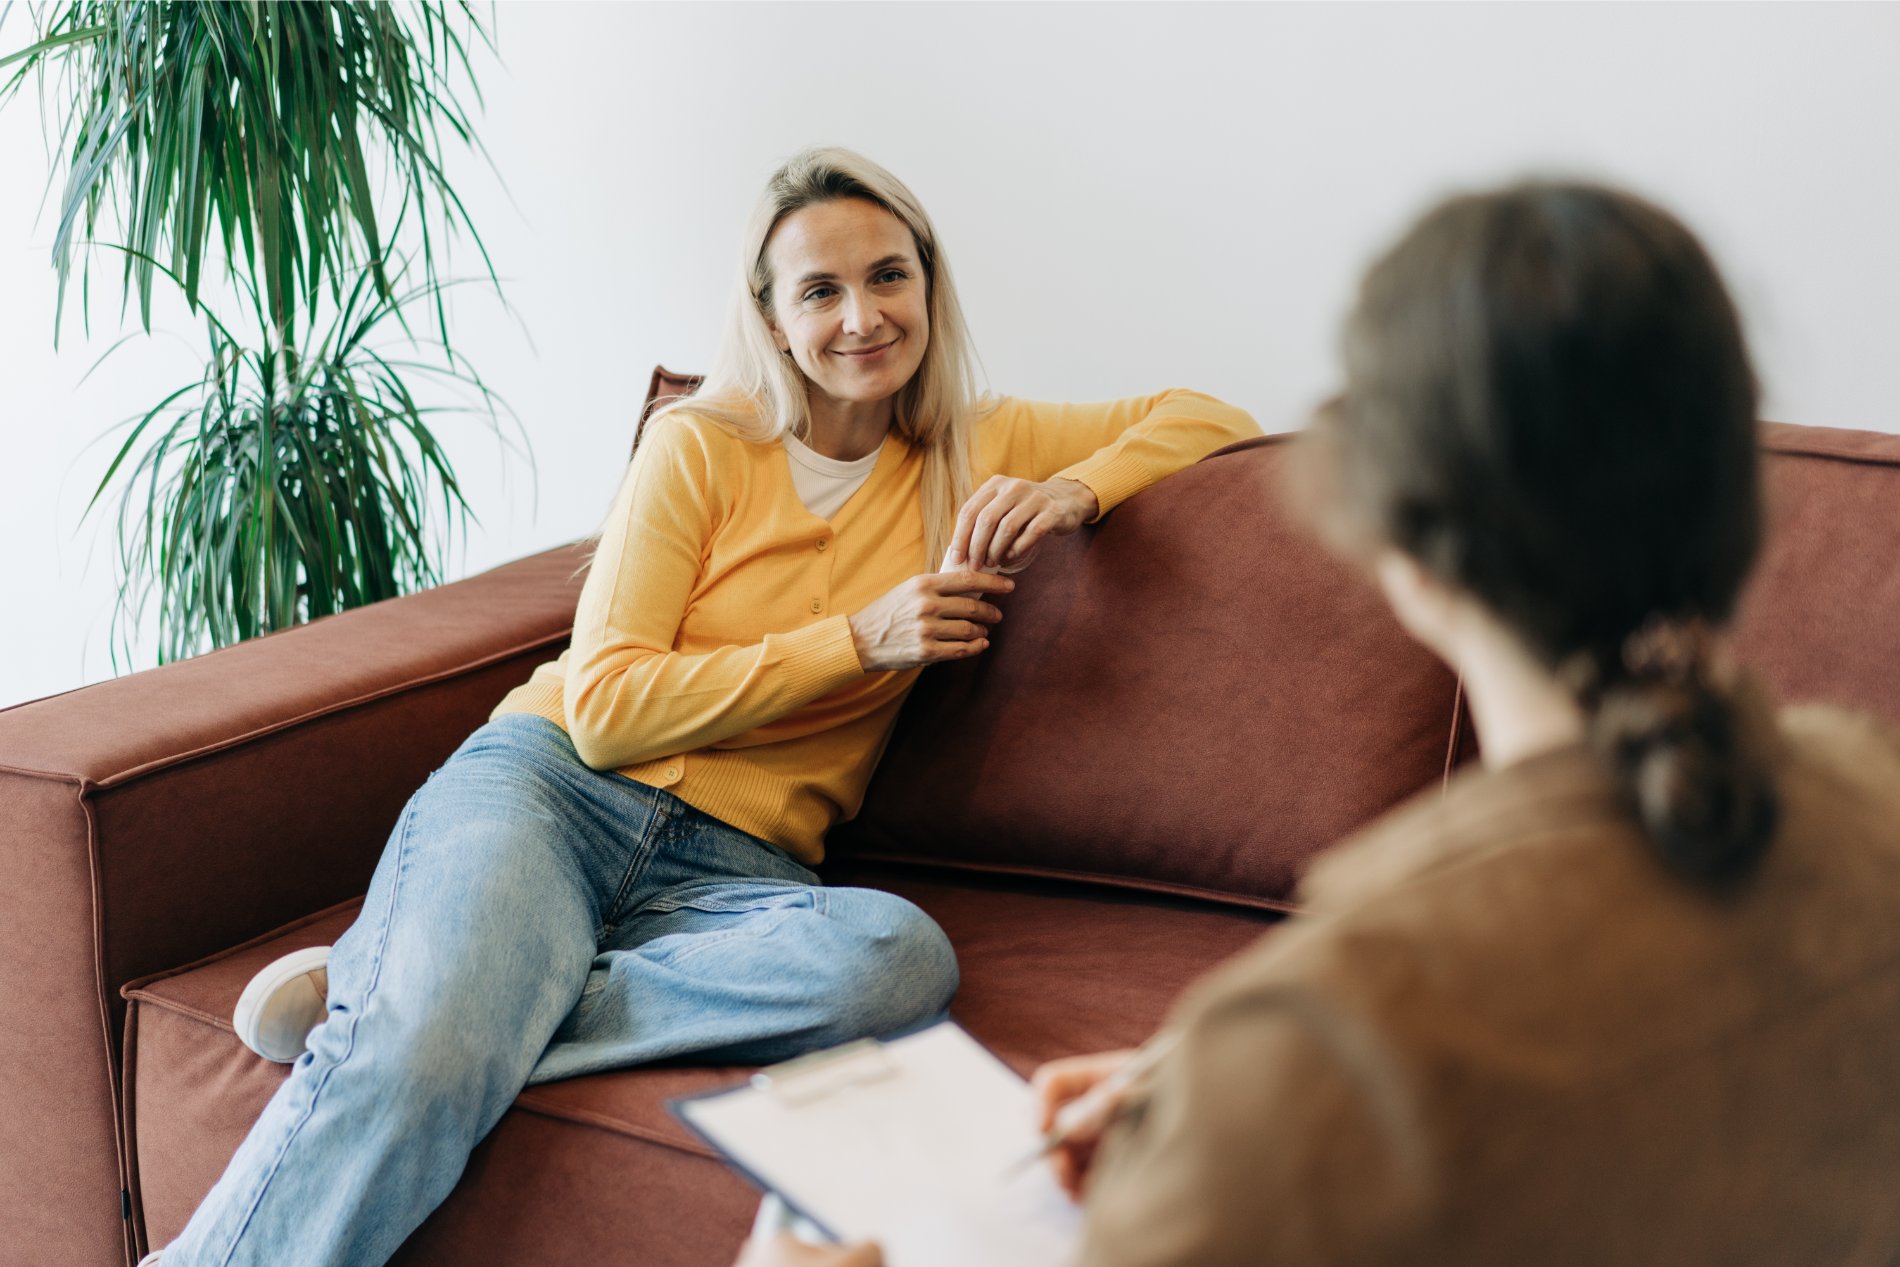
(910,1143)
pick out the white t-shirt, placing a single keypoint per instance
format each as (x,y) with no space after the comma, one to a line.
(825,484)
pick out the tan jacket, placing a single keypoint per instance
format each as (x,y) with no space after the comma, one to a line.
(1503,1035)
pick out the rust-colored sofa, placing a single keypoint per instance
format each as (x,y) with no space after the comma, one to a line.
(1186,702)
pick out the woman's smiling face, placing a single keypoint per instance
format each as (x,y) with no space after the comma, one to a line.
(849,299)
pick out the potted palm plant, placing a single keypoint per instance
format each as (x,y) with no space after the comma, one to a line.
(251,155)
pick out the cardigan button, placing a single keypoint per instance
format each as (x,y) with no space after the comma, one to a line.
(823,542)
(817,605)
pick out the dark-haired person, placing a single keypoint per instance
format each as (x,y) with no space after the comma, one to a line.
(1629,992)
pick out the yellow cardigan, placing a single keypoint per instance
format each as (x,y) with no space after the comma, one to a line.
(673,679)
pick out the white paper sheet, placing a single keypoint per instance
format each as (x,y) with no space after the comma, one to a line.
(918,1158)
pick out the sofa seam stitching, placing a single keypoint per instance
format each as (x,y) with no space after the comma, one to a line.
(128,1117)
(121,1144)
(52,776)
(134,773)
(601,1122)
(1215,897)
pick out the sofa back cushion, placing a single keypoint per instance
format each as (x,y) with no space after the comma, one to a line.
(1190,697)
(1820,619)
(1193,697)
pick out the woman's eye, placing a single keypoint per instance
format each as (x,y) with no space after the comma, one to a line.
(817,293)
(892,275)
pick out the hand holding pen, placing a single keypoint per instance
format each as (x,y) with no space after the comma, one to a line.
(1079,1097)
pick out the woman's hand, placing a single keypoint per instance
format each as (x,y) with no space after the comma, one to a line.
(785,1250)
(1006,519)
(936,616)
(1058,1083)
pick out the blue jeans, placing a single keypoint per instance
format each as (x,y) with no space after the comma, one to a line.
(532,919)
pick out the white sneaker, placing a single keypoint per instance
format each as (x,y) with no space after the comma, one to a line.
(283,1003)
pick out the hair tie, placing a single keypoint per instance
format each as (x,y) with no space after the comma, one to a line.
(1672,649)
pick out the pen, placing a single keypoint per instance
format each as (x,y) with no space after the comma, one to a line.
(1086,1107)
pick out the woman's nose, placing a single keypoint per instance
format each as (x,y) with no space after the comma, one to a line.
(861,315)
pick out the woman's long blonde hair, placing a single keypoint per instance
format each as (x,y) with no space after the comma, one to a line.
(758,393)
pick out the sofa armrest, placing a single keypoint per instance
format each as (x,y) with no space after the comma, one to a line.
(152,820)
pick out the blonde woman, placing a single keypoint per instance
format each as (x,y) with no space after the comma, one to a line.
(616,867)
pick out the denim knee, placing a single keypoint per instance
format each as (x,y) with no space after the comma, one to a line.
(909,973)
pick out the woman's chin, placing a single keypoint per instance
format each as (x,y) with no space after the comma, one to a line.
(865,390)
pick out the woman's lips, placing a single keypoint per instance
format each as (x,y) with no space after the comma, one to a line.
(869,354)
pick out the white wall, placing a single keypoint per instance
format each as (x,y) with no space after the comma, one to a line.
(1133,196)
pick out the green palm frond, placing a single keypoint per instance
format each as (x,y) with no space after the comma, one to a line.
(247,129)
(278,487)
(261,144)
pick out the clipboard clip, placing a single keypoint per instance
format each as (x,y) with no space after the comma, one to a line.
(817,1075)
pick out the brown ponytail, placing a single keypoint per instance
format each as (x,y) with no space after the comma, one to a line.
(1693,754)
(1549,405)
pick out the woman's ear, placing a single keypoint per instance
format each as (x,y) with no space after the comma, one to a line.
(1424,605)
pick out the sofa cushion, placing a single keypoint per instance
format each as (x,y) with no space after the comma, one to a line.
(1820,617)
(1191,697)
(1045,973)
